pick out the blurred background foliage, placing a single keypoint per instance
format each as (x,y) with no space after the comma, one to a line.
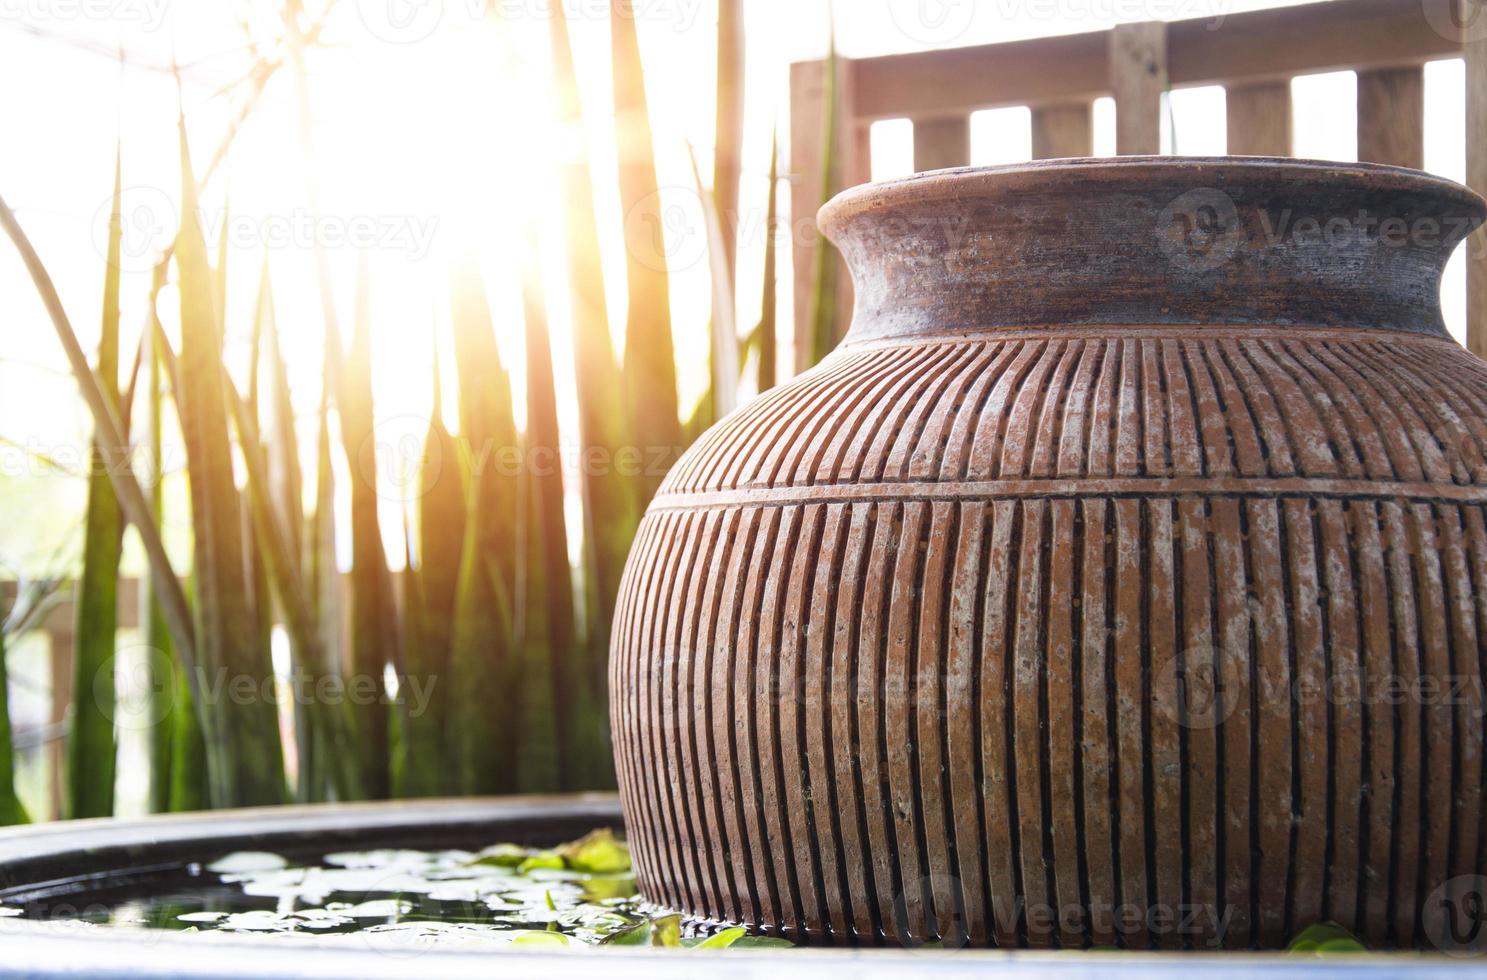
(469,656)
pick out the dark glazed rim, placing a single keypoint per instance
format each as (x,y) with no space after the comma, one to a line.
(1150,241)
(1129,170)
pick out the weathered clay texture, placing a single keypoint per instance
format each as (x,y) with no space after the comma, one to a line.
(991,624)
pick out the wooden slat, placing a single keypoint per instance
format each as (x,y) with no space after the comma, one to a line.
(1063,131)
(1476,178)
(1279,43)
(961,80)
(1138,77)
(941,143)
(1263,45)
(1391,116)
(1259,119)
(807,132)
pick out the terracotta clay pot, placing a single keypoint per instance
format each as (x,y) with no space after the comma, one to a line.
(1119,580)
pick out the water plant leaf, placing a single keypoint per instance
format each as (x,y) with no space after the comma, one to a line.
(663,930)
(503,855)
(761,942)
(541,860)
(91,748)
(724,939)
(598,852)
(244,862)
(1325,937)
(608,889)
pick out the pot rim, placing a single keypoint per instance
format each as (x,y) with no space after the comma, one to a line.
(953,182)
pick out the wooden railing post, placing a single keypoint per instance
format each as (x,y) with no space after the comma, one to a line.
(1063,131)
(941,143)
(1259,119)
(1391,116)
(808,108)
(1475,49)
(1138,77)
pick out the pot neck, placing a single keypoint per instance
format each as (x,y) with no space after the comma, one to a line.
(1226,241)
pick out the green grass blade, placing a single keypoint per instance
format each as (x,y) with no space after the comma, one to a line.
(178,778)
(483,669)
(371,609)
(281,442)
(768,328)
(650,357)
(245,759)
(728,145)
(611,495)
(434,585)
(825,270)
(324,591)
(110,435)
(724,325)
(11,810)
(555,679)
(91,746)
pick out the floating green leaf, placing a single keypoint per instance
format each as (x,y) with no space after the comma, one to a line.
(1326,937)
(598,852)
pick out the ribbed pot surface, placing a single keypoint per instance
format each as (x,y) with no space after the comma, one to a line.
(1160,624)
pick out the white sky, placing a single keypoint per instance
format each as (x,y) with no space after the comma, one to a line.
(423,138)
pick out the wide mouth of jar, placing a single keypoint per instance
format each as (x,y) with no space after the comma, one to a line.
(1081,173)
(1151,240)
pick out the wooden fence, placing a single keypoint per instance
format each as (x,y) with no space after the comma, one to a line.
(1253,55)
